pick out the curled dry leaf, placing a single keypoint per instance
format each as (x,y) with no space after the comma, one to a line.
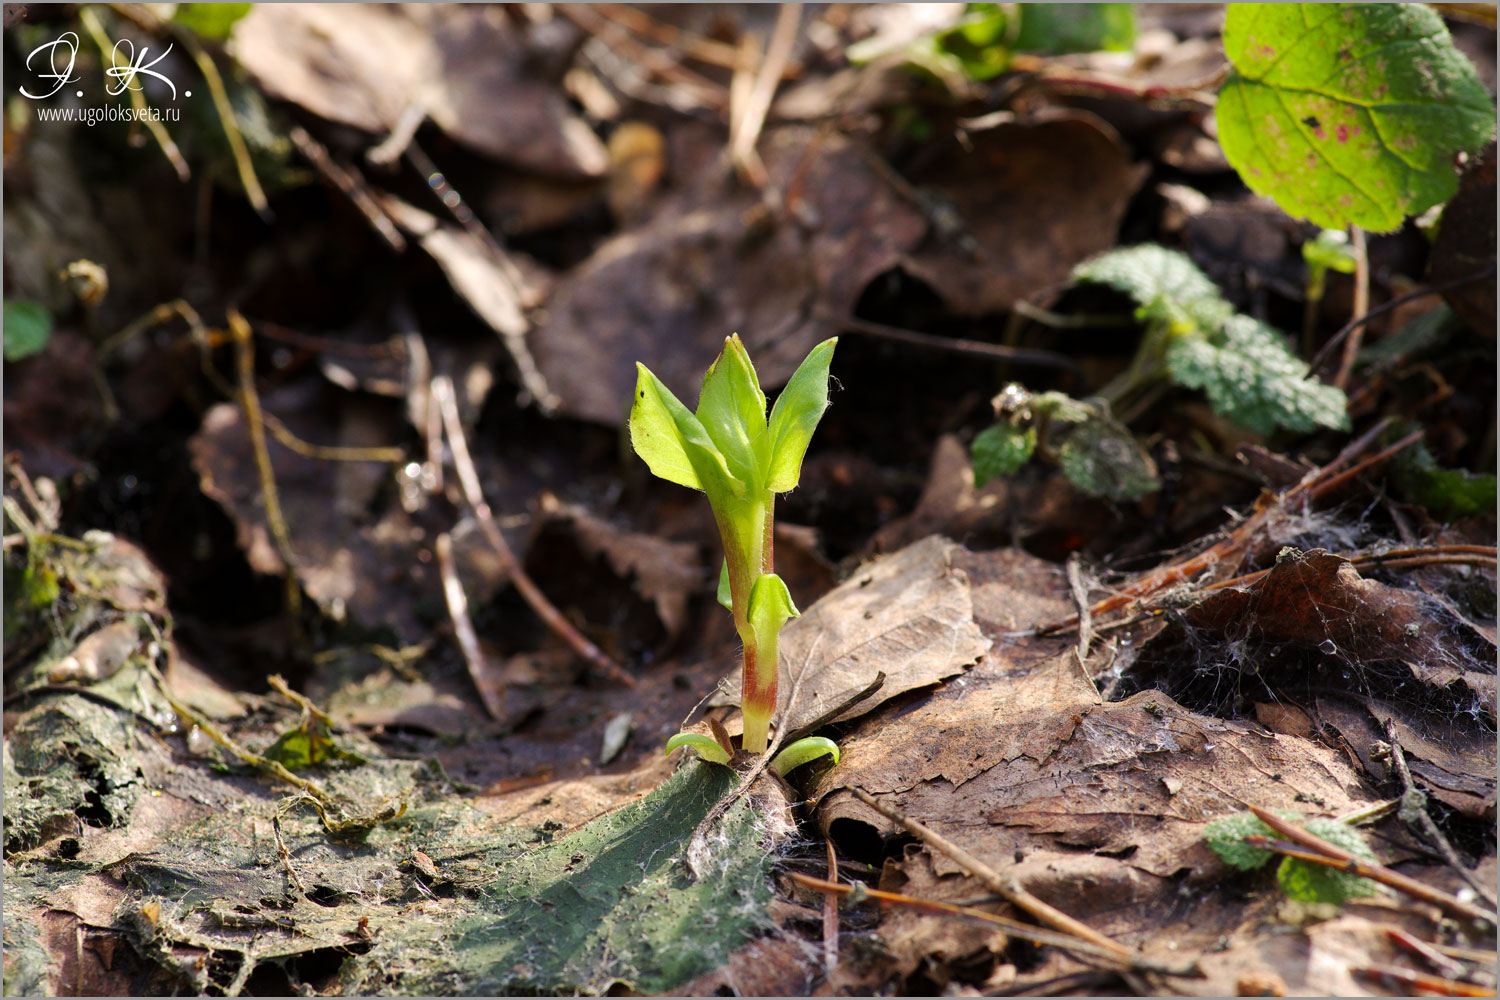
(908,615)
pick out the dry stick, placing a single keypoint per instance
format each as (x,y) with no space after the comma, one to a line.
(984,918)
(277,682)
(707,50)
(830,913)
(1422,981)
(244,354)
(492,694)
(350,184)
(972,348)
(1437,555)
(441,388)
(169,149)
(1442,963)
(1314,484)
(1361,305)
(285,856)
(1081,601)
(241,156)
(654,62)
(746,126)
(1009,887)
(1414,813)
(1388,305)
(1337,857)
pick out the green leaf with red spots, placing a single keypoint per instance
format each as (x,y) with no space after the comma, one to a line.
(1349,113)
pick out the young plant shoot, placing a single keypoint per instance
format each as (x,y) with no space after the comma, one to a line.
(741,460)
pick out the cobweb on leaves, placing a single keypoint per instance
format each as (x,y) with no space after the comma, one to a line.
(1300,633)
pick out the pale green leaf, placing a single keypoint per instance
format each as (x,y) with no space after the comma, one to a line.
(707,747)
(770,607)
(732,409)
(1166,285)
(1000,450)
(1226,836)
(28,327)
(1330,250)
(1058,28)
(1348,113)
(671,441)
(1252,378)
(807,749)
(725,595)
(795,416)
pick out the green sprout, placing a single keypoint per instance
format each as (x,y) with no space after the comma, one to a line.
(730,451)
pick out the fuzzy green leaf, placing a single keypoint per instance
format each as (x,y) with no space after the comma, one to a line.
(795,416)
(1103,459)
(1001,449)
(672,441)
(28,327)
(1310,883)
(732,409)
(1058,28)
(1348,113)
(707,747)
(1166,285)
(1226,837)
(1252,378)
(807,749)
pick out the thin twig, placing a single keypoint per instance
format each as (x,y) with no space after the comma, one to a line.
(490,693)
(1442,963)
(972,348)
(1360,307)
(750,116)
(1414,813)
(350,184)
(278,683)
(699,47)
(984,918)
(830,913)
(868,691)
(107,53)
(1422,981)
(1081,601)
(441,389)
(237,151)
(1007,886)
(1386,306)
(1337,857)
(244,353)
(285,856)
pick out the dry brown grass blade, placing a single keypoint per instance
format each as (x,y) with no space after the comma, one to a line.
(492,694)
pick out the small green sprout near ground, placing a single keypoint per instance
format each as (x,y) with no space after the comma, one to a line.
(1302,881)
(730,451)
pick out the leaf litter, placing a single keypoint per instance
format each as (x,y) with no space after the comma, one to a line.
(1302,660)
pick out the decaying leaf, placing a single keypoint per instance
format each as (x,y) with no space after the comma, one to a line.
(908,616)
(365,65)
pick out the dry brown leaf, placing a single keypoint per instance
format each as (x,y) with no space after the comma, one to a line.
(365,64)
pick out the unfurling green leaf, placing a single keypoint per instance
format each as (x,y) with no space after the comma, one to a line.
(770,607)
(1000,450)
(732,409)
(707,747)
(795,416)
(808,748)
(1166,285)
(1251,377)
(1348,113)
(1330,250)
(672,441)
(1447,493)
(1103,459)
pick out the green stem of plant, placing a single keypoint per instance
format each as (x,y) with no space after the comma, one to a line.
(750,554)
